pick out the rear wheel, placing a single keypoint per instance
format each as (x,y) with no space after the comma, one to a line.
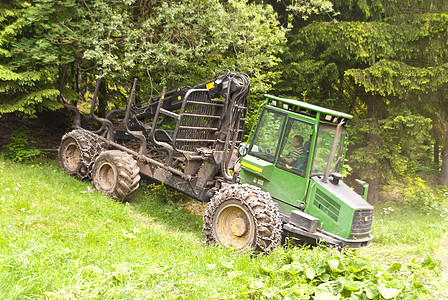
(242,217)
(77,153)
(116,174)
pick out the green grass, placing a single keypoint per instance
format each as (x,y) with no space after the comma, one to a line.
(406,235)
(60,239)
(403,233)
(410,228)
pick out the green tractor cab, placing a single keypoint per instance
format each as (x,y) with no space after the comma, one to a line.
(296,154)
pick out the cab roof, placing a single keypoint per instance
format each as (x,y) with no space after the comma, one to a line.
(307,108)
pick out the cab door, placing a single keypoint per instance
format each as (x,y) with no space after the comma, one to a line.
(258,165)
(263,165)
(290,182)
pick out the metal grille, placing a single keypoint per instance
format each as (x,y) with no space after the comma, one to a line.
(327,205)
(362,221)
(198,122)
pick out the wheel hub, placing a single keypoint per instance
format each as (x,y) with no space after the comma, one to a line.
(107,176)
(238,226)
(242,217)
(72,157)
(233,225)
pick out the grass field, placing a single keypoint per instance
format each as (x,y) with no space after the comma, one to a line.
(60,239)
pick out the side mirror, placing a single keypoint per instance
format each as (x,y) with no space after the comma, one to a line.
(365,188)
(242,149)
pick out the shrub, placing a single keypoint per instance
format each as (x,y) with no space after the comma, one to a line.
(422,196)
(21,149)
(164,193)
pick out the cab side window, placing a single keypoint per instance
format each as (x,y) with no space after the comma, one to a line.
(267,136)
(295,148)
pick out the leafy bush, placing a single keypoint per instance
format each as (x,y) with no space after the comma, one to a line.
(20,149)
(323,273)
(164,193)
(420,195)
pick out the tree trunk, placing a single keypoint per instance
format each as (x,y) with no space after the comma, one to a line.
(102,99)
(78,80)
(281,10)
(443,176)
(372,172)
(443,140)
(436,154)
(62,76)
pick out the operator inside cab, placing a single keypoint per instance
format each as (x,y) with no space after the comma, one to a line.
(291,159)
(295,146)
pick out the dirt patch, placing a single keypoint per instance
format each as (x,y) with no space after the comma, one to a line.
(194,207)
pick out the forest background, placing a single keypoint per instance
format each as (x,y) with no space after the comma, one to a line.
(385,62)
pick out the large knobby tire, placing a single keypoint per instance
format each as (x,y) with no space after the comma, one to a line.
(116,174)
(77,152)
(243,217)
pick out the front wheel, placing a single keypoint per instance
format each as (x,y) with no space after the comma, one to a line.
(116,174)
(242,217)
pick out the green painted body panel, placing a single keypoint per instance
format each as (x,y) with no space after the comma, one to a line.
(309,106)
(287,188)
(333,217)
(262,168)
(334,206)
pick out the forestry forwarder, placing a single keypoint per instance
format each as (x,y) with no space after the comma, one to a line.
(255,193)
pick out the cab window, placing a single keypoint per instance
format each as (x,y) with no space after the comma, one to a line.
(324,143)
(295,146)
(267,136)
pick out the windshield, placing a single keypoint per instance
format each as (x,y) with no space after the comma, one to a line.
(324,142)
(267,136)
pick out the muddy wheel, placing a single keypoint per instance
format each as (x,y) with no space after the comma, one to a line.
(242,217)
(77,153)
(116,174)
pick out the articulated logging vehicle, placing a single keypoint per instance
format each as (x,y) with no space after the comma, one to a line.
(284,181)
